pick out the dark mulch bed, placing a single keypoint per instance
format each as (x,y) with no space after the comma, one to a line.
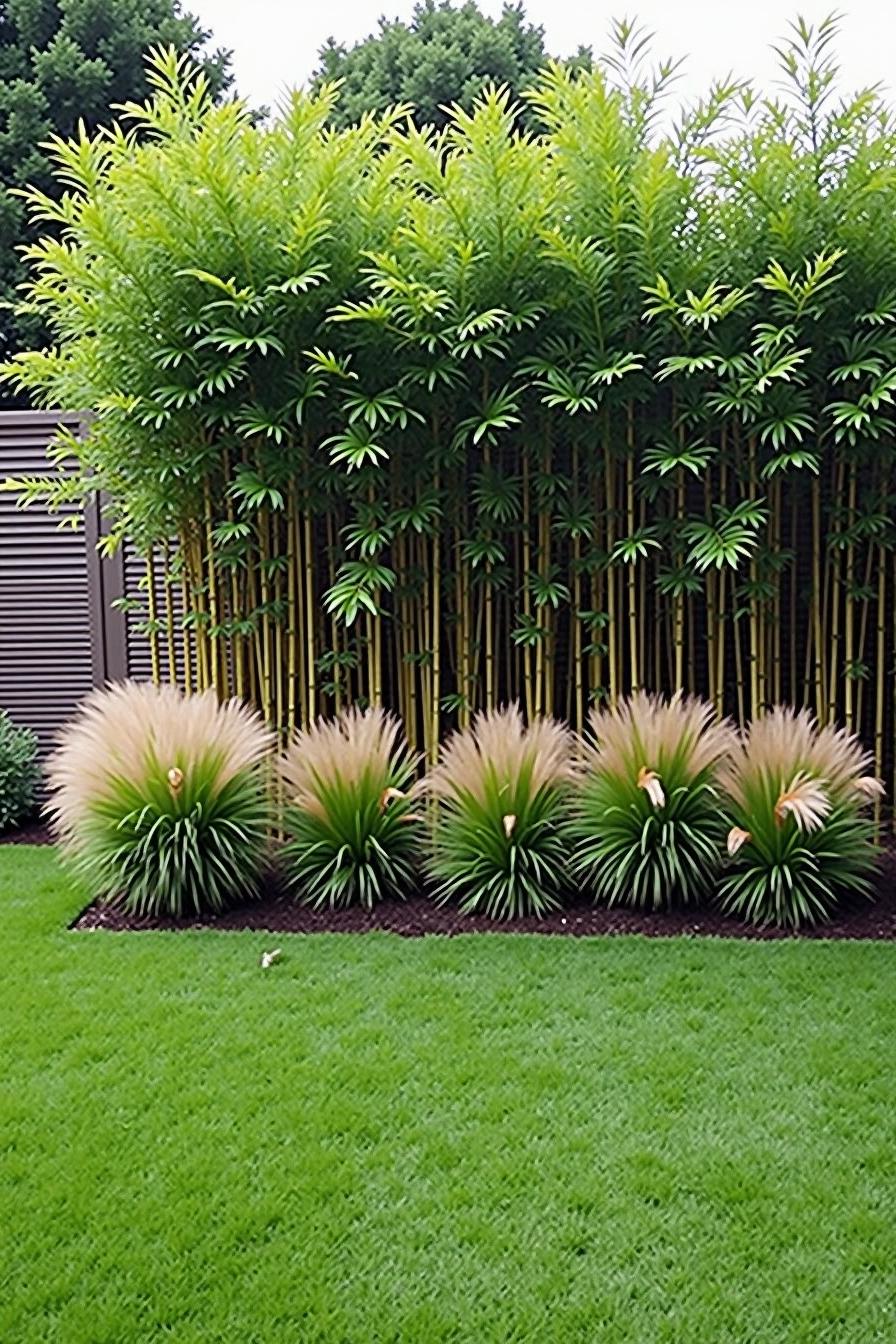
(276,913)
(32,833)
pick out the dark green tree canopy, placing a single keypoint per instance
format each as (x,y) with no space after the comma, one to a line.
(446,54)
(65,61)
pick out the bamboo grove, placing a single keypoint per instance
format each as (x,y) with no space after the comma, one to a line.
(442,420)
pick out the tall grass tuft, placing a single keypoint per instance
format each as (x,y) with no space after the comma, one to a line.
(352,832)
(645,826)
(799,840)
(159,799)
(499,790)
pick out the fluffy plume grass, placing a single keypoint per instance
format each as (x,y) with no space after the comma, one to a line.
(159,799)
(799,841)
(645,824)
(499,790)
(352,832)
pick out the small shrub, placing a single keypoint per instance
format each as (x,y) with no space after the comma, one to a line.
(799,841)
(499,790)
(352,834)
(645,825)
(159,799)
(19,772)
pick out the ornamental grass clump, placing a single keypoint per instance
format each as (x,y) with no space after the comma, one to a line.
(645,826)
(800,839)
(352,831)
(160,799)
(499,791)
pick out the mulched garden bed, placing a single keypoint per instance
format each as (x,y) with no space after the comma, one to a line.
(413,918)
(32,833)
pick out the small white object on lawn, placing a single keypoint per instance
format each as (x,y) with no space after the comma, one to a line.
(268,958)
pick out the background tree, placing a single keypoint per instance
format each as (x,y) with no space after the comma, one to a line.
(444,55)
(65,61)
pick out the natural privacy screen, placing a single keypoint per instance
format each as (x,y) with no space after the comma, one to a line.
(440,421)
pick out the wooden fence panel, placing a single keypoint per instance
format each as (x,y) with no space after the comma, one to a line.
(60,633)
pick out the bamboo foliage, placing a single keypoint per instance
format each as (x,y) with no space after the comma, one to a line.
(439,420)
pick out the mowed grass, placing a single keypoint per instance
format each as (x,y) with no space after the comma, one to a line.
(493,1138)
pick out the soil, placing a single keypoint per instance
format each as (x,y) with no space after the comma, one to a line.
(277,913)
(31,833)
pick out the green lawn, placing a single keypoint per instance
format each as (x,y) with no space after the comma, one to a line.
(478,1139)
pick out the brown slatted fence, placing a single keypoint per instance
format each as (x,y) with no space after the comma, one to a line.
(60,633)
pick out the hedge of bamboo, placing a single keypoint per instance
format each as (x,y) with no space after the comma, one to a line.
(441,420)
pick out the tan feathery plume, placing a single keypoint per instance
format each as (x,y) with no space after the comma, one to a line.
(649,781)
(356,743)
(135,732)
(499,745)
(737,838)
(806,801)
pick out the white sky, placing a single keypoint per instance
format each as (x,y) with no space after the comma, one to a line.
(275,42)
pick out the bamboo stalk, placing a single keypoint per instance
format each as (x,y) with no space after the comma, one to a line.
(299,691)
(203,661)
(864,618)
(833,579)
(775,695)
(792,622)
(577,680)
(678,600)
(153,631)
(292,642)
(755,626)
(185,629)
(849,614)
(169,614)
(436,548)
(310,647)
(612,642)
(423,667)
(528,679)
(879,662)
(266,670)
(719,698)
(712,618)
(817,618)
(488,619)
(633,652)
(280,688)
(217,661)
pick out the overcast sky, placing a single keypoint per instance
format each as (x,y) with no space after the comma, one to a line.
(275,42)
